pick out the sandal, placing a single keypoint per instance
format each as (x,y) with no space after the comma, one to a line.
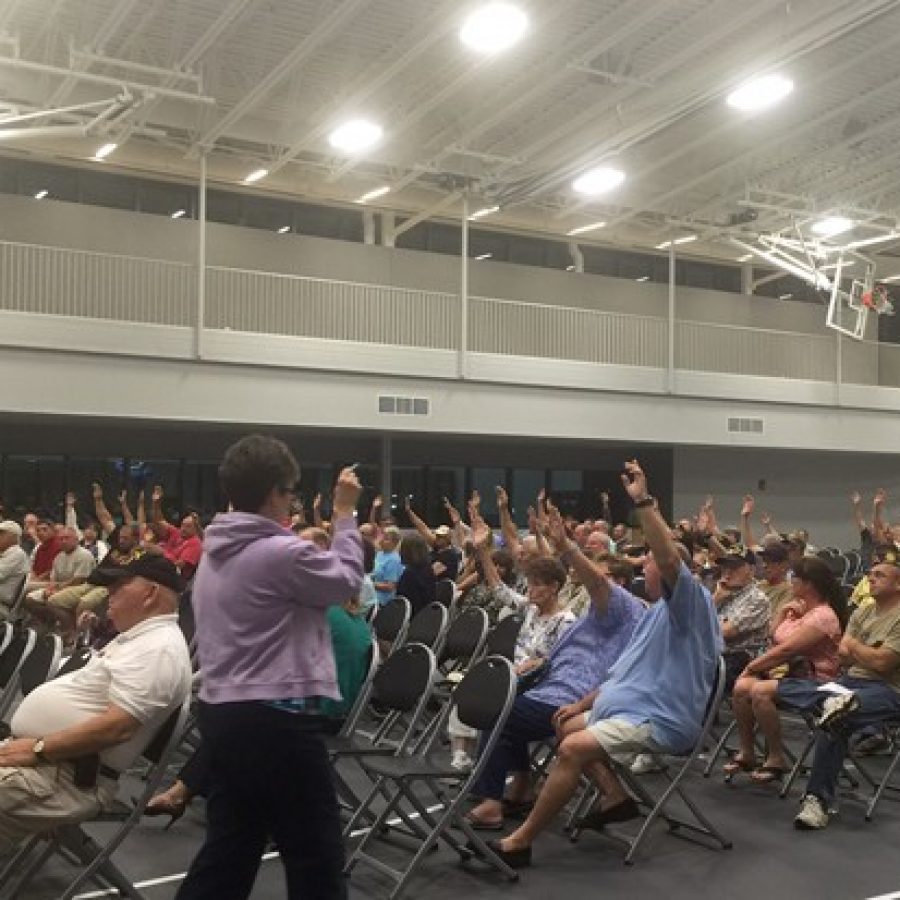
(734,765)
(480,825)
(768,774)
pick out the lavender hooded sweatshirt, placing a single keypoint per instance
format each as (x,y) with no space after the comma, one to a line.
(260,598)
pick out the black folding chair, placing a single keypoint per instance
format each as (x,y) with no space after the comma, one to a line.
(72,842)
(884,783)
(428,626)
(41,664)
(464,640)
(501,639)
(657,808)
(392,621)
(18,601)
(11,661)
(78,660)
(482,701)
(444,592)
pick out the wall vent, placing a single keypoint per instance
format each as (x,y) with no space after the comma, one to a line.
(403,406)
(737,425)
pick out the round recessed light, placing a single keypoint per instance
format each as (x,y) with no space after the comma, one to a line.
(493,28)
(355,136)
(760,93)
(598,181)
(832,225)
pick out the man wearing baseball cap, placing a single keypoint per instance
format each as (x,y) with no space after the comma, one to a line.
(13,564)
(74,735)
(775,585)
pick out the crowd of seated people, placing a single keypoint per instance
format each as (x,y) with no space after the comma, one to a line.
(605,673)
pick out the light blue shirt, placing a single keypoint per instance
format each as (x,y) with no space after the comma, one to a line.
(367,594)
(582,657)
(665,676)
(387,568)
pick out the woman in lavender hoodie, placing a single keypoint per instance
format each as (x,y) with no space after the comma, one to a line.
(260,598)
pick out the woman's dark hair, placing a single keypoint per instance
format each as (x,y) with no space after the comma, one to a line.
(369,552)
(414,551)
(815,572)
(253,467)
(547,571)
(506,566)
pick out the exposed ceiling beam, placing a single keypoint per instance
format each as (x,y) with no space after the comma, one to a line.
(339,17)
(427,213)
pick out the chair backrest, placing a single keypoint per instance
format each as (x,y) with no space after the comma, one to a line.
(362,697)
(18,595)
(404,677)
(486,691)
(41,664)
(392,620)
(169,734)
(465,636)
(14,655)
(501,639)
(444,591)
(428,626)
(78,660)
(6,635)
(370,613)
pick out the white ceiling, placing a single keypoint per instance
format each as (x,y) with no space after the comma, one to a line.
(637,82)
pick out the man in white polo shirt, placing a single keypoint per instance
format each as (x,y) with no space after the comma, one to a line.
(14,564)
(74,735)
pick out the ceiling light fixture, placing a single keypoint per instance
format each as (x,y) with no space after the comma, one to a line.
(484,256)
(284,229)
(745,258)
(179,213)
(41,194)
(374,194)
(570,268)
(832,225)
(484,211)
(643,278)
(760,93)
(687,239)
(786,297)
(104,151)
(256,175)
(868,242)
(584,229)
(889,278)
(355,136)
(845,265)
(598,181)
(493,28)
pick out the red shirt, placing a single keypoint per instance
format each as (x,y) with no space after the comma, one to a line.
(171,544)
(44,556)
(188,555)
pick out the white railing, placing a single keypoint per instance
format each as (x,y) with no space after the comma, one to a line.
(64,282)
(509,327)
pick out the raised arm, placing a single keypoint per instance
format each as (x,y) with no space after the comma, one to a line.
(457,528)
(656,531)
(156,509)
(605,510)
(507,526)
(103,515)
(141,510)
(570,555)
(537,526)
(127,517)
(746,528)
(419,524)
(318,521)
(766,520)
(71,517)
(375,511)
(858,517)
(878,527)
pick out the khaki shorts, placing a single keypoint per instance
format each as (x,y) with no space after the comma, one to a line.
(622,740)
(89,596)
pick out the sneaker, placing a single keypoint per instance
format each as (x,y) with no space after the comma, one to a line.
(812,816)
(461,761)
(872,744)
(835,709)
(644,764)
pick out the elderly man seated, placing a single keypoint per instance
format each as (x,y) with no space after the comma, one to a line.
(655,695)
(74,735)
(578,662)
(14,565)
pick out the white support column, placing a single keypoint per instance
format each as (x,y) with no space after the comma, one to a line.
(670,356)
(368,226)
(747,278)
(577,256)
(464,292)
(201,261)
(387,463)
(838,368)
(387,229)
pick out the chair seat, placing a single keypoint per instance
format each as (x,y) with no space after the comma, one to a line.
(413,766)
(338,745)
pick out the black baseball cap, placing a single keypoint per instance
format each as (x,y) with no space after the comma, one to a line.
(737,555)
(152,566)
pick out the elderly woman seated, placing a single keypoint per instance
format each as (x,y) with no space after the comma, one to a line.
(806,633)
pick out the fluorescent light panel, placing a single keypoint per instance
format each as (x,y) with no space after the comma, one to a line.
(493,28)
(745,258)
(355,136)
(868,242)
(760,93)
(105,150)
(832,225)
(484,211)
(598,181)
(284,229)
(584,229)
(687,239)
(179,213)
(256,175)
(484,256)
(41,194)
(643,278)
(374,194)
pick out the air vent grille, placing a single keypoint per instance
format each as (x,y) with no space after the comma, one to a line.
(739,425)
(403,406)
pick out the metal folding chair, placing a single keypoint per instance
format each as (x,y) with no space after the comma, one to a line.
(501,639)
(15,608)
(428,626)
(884,783)
(482,701)
(72,842)
(657,808)
(444,592)
(11,661)
(392,621)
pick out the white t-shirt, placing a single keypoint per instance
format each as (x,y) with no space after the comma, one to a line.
(14,563)
(146,672)
(77,564)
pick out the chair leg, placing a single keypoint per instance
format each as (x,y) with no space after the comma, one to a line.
(20,856)
(884,784)
(797,767)
(719,748)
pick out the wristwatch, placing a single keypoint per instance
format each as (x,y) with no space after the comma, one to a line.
(38,750)
(644,502)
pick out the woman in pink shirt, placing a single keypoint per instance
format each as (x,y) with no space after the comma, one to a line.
(805,636)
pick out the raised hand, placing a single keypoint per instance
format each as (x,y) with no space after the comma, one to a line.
(452,512)
(749,506)
(123,496)
(766,520)
(555,530)
(880,497)
(157,494)
(604,497)
(378,502)
(475,502)
(317,501)
(856,498)
(634,481)
(533,524)
(502,497)
(70,499)
(346,492)
(482,536)
(96,490)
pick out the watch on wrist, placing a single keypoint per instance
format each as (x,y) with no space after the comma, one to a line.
(37,748)
(644,502)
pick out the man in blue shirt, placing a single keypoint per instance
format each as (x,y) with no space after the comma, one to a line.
(388,567)
(578,662)
(656,693)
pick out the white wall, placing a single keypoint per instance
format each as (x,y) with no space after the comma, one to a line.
(803,489)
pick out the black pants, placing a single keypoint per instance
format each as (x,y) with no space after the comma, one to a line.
(270,777)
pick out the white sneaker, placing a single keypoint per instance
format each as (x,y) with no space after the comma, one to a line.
(812,816)
(644,763)
(461,761)
(835,709)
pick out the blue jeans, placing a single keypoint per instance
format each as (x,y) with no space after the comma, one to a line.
(529,720)
(878,703)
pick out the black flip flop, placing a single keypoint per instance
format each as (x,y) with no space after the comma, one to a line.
(597,819)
